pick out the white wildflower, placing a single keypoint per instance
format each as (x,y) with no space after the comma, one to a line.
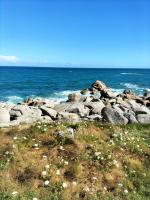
(64,185)
(47,166)
(58,172)
(126,191)
(74,183)
(46,183)
(66,162)
(43,173)
(15,193)
(15,138)
(34,198)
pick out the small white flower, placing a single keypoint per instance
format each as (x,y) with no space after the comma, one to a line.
(43,173)
(46,183)
(35,145)
(58,172)
(15,193)
(47,166)
(126,191)
(105,188)
(61,148)
(74,183)
(64,185)
(97,153)
(45,129)
(44,156)
(24,138)
(13,146)
(94,178)
(66,162)
(34,198)
(109,156)
(120,184)
(137,146)
(15,138)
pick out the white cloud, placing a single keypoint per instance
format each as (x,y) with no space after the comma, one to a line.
(8,58)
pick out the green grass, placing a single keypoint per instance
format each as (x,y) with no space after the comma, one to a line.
(102,161)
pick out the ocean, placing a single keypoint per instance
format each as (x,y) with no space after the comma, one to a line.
(18,83)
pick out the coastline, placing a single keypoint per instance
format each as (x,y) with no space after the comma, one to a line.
(96,103)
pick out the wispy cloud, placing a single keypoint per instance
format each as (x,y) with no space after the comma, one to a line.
(8,58)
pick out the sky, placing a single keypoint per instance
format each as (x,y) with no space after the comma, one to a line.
(78,33)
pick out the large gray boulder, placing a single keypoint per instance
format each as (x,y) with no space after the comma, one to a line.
(77,108)
(113,116)
(95,107)
(49,111)
(4,115)
(131,118)
(143,118)
(138,108)
(69,117)
(74,97)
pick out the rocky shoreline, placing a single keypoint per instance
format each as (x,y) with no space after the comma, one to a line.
(96,103)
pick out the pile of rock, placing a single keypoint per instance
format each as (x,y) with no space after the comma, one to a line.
(94,103)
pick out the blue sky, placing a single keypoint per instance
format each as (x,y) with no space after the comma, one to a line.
(96,33)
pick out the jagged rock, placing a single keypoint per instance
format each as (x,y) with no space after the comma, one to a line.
(99,85)
(74,97)
(107,94)
(143,118)
(49,111)
(85,91)
(69,117)
(138,108)
(95,107)
(4,115)
(23,109)
(78,109)
(131,118)
(113,116)
(147,94)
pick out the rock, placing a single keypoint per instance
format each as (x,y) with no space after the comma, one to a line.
(95,107)
(107,94)
(85,91)
(113,116)
(69,117)
(99,85)
(74,97)
(95,117)
(4,115)
(49,111)
(146,94)
(143,118)
(62,107)
(78,108)
(23,109)
(138,108)
(131,118)
(70,132)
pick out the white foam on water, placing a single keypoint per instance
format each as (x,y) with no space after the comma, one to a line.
(131,86)
(14,99)
(127,73)
(116,91)
(62,95)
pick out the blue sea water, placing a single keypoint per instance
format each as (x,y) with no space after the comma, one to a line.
(17,83)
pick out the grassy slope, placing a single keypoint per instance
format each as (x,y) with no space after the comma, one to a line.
(101,162)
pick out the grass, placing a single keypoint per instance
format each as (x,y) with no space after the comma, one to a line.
(101,161)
